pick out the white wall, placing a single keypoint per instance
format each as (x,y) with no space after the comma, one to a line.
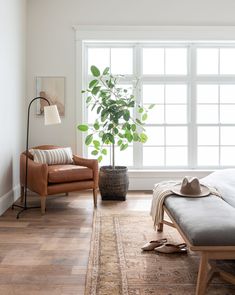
(12,86)
(51,43)
(51,46)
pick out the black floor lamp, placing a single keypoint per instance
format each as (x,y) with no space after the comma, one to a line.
(51,116)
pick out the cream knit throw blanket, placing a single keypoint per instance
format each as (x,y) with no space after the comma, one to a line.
(160,192)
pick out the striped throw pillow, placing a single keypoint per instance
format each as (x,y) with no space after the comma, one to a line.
(53,157)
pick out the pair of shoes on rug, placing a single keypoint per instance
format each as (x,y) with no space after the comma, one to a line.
(163,247)
(171,248)
(153,244)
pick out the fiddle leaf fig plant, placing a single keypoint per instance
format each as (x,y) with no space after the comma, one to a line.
(115,123)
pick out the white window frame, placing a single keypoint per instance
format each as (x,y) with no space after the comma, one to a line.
(177,34)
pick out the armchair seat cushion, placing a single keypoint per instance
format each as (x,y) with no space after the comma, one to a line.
(68,173)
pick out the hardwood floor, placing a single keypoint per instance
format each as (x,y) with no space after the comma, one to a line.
(49,254)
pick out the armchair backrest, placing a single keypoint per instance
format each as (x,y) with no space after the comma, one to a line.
(46,147)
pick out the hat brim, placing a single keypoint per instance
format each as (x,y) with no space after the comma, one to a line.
(204,191)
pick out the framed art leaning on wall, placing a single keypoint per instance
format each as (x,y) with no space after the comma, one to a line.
(53,89)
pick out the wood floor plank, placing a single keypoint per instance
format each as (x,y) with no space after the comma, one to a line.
(48,255)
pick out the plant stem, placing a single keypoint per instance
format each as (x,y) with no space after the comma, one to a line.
(113,156)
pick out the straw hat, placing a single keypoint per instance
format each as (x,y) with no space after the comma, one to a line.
(191,187)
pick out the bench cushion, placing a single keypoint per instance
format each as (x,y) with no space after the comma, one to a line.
(206,221)
(224,182)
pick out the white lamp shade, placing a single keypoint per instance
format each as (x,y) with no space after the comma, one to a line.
(51,115)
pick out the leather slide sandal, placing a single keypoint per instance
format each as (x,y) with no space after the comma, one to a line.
(171,248)
(153,244)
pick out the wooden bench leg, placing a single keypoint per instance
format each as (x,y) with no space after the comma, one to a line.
(43,204)
(95,197)
(227,277)
(160,226)
(202,278)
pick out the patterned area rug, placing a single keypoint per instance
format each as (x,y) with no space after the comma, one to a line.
(117,265)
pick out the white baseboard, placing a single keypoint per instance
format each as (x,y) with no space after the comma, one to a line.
(145,180)
(9,198)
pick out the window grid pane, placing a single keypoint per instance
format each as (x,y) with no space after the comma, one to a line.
(167,79)
(215,106)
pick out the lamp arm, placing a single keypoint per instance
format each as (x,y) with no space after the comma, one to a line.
(27,137)
(27,147)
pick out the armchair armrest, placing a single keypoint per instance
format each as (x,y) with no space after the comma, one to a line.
(89,163)
(37,175)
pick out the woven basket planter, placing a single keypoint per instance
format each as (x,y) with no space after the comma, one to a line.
(113,183)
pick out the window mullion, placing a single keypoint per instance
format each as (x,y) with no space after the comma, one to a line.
(138,147)
(192,108)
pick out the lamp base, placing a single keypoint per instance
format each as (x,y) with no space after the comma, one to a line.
(23,208)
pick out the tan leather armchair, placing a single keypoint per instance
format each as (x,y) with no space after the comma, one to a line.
(54,179)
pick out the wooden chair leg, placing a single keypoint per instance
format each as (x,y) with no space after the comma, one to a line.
(43,204)
(21,194)
(202,278)
(95,197)
(160,227)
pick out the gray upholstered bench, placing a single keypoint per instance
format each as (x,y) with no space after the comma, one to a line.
(207,225)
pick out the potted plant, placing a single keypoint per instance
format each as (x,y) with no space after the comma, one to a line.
(115,125)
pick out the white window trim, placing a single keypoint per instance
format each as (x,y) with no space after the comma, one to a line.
(179,34)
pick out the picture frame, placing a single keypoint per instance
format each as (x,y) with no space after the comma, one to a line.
(53,89)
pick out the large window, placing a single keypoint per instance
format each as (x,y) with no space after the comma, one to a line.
(193,87)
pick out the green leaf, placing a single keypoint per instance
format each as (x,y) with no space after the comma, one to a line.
(126,115)
(104,151)
(140,110)
(133,127)
(83,91)
(115,131)
(143,137)
(145,117)
(110,137)
(110,84)
(96,144)
(89,98)
(151,106)
(120,114)
(131,104)
(95,71)
(94,105)
(82,127)
(110,126)
(124,126)
(129,137)
(89,139)
(106,71)
(104,115)
(128,126)
(98,109)
(101,133)
(96,126)
(100,158)
(104,137)
(93,83)
(95,90)
(123,147)
(136,137)
(119,142)
(95,152)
